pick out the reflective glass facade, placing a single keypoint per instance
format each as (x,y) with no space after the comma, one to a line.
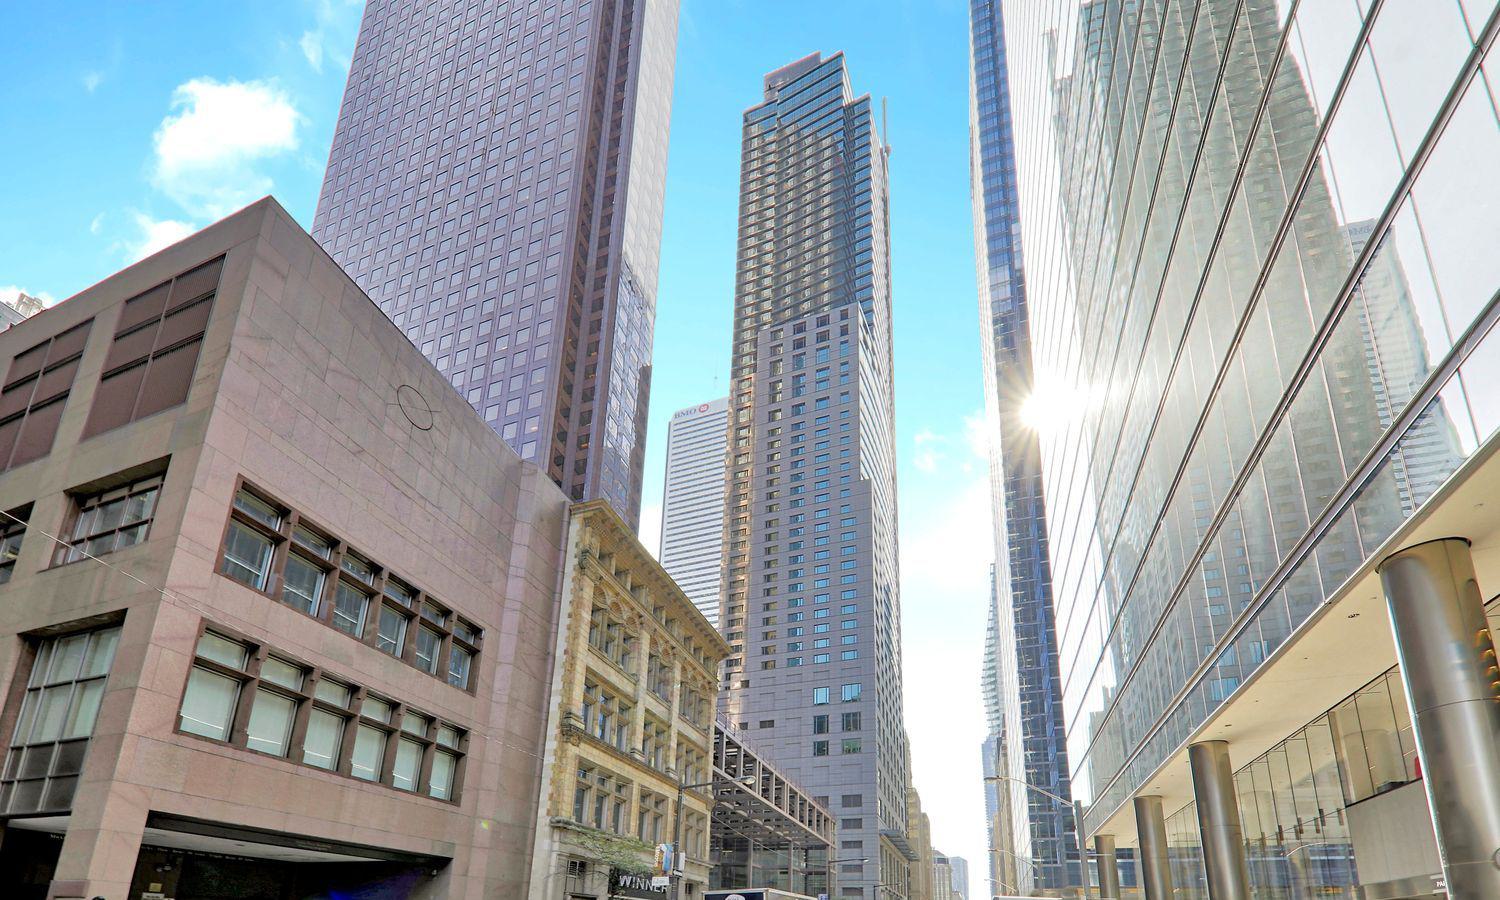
(495,185)
(1026,641)
(1261,278)
(811,603)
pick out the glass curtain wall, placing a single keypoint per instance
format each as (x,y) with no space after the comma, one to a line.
(1261,274)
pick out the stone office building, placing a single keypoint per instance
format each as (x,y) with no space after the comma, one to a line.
(276,606)
(631,721)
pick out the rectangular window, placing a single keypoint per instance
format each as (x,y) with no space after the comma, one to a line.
(325,733)
(820,696)
(429,645)
(390,634)
(302,584)
(106,521)
(247,555)
(408,766)
(12,533)
(62,698)
(270,728)
(155,349)
(851,692)
(369,753)
(459,663)
(350,605)
(213,689)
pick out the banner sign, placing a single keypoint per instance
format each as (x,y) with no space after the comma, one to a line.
(635,887)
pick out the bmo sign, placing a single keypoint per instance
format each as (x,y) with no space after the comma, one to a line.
(691,411)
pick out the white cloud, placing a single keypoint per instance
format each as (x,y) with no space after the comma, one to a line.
(9,293)
(96,224)
(335,24)
(209,149)
(153,235)
(312,48)
(91,80)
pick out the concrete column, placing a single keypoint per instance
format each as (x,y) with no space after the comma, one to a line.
(1219,821)
(1109,867)
(1152,860)
(1448,663)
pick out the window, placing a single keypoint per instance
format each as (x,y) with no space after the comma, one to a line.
(12,533)
(155,349)
(213,688)
(851,692)
(349,607)
(51,737)
(850,745)
(266,543)
(599,799)
(658,677)
(326,724)
(306,571)
(429,645)
(820,724)
(251,540)
(651,815)
(243,694)
(850,721)
(820,748)
(273,712)
(36,389)
(820,696)
(106,521)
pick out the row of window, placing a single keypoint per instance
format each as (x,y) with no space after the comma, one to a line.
(608,636)
(98,523)
(602,800)
(241,693)
(270,548)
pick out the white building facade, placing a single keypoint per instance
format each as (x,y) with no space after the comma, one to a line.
(692,519)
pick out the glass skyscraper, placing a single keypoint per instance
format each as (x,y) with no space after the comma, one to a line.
(811,604)
(495,185)
(1027,673)
(1261,275)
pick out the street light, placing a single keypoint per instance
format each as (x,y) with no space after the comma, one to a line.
(1083,868)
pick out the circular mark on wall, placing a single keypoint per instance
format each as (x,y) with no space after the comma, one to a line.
(415,407)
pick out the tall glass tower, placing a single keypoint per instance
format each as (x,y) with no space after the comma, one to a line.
(495,185)
(811,603)
(1261,282)
(1026,642)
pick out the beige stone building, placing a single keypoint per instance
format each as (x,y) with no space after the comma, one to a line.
(631,719)
(919,837)
(277,608)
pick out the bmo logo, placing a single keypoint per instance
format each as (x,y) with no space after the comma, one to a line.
(691,410)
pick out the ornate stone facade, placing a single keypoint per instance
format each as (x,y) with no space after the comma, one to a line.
(631,719)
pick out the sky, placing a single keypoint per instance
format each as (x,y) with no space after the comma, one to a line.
(128,126)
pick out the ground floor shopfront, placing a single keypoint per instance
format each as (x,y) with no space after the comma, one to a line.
(1361,760)
(186,860)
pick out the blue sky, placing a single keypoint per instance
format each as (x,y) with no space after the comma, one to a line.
(130,125)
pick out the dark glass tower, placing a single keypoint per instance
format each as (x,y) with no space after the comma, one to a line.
(811,604)
(495,185)
(1029,686)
